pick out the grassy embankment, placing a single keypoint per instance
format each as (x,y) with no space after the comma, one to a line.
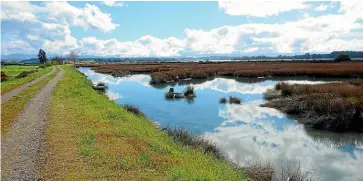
(13,70)
(90,137)
(11,109)
(331,106)
(163,72)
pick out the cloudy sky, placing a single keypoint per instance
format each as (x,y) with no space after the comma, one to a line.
(144,29)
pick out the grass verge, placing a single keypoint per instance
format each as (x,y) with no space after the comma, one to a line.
(11,109)
(10,84)
(89,137)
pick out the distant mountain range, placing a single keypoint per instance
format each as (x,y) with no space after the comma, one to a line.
(27,58)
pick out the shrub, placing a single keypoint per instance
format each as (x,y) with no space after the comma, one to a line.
(24,74)
(234,100)
(189,91)
(342,57)
(48,64)
(4,77)
(223,100)
(42,66)
(133,110)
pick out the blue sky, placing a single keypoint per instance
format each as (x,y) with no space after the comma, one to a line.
(138,29)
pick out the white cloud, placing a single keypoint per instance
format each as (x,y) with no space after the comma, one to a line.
(259,8)
(32,37)
(49,26)
(322,7)
(113,3)
(13,47)
(59,13)
(249,50)
(144,46)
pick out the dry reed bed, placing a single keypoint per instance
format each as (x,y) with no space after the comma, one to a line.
(331,106)
(164,72)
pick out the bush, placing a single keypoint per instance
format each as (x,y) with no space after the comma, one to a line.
(133,110)
(42,66)
(48,64)
(342,57)
(4,77)
(24,74)
(223,100)
(234,100)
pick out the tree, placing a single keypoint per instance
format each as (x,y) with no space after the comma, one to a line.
(72,57)
(342,57)
(57,60)
(42,56)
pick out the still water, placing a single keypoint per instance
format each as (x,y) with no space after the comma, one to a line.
(245,132)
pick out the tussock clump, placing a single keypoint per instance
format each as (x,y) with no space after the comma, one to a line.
(259,171)
(234,100)
(184,138)
(169,95)
(264,171)
(189,91)
(223,100)
(133,109)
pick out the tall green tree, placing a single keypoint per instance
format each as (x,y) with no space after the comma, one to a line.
(42,56)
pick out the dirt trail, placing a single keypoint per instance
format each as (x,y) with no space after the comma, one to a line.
(21,147)
(7,96)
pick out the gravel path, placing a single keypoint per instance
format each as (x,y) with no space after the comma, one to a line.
(21,147)
(7,96)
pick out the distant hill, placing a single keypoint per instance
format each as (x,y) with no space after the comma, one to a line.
(318,56)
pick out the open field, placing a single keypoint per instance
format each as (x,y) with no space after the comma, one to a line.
(11,109)
(13,70)
(331,106)
(164,72)
(89,137)
(12,82)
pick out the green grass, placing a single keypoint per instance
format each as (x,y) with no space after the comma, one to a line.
(11,109)
(89,137)
(14,70)
(12,83)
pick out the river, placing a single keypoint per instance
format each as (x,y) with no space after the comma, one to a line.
(246,132)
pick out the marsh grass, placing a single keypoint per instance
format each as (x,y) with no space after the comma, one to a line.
(332,106)
(164,72)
